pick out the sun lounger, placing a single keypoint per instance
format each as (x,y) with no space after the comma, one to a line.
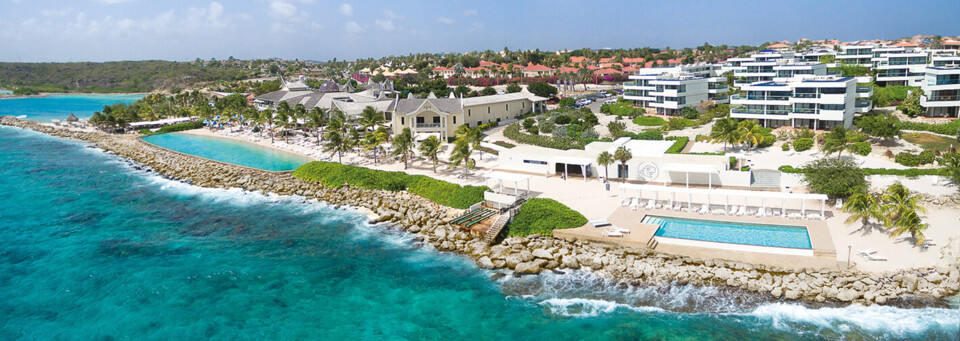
(742,211)
(622,230)
(760,213)
(719,211)
(734,210)
(634,203)
(866,252)
(678,207)
(875,258)
(795,216)
(600,223)
(704,209)
(815,216)
(611,232)
(625,202)
(650,205)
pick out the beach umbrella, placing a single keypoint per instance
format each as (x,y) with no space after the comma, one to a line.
(72,118)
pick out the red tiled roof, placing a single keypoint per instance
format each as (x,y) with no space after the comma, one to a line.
(537,67)
(441,68)
(605,60)
(606,65)
(605,71)
(567,69)
(473,69)
(632,60)
(486,63)
(950,42)
(904,44)
(778,46)
(592,67)
(630,69)
(578,59)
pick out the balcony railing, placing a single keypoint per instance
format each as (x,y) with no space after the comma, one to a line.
(943,98)
(758,111)
(804,111)
(806,95)
(428,125)
(864,89)
(761,98)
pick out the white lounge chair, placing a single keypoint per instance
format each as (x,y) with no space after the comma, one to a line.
(678,207)
(866,252)
(816,216)
(760,213)
(734,210)
(611,232)
(719,211)
(704,209)
(634,203)
(600,223)
(742,211)
(622,230)
(650,205)
(625,202)
(875,258)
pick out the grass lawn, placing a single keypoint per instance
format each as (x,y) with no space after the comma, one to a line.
(622,108)
(649,121)
(930,141)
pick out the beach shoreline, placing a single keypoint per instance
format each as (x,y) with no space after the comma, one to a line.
(533,254)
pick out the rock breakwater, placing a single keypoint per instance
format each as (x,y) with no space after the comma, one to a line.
(534,254)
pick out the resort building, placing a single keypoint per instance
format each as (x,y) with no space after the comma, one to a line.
(537,71)
(941,91)
(897,66)
(861,55)
(350,103)
(442,116)
(445,72)
(650,164)
(670,89)
(786,69)
(815,102)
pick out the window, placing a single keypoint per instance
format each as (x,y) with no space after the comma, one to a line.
(535,162)
(454,120)
(402,121)
(479,123)
(507,106)
(682,100)
(420,120)
(623,171)
(488,110)
(436,119)
(682,88)
(468,112)
(523,105)
(498,120)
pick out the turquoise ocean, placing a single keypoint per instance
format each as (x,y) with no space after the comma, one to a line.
(94,248)
(60,106)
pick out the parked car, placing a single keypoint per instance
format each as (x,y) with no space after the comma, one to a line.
(610,101)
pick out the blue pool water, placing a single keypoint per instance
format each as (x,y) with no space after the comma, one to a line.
(96,250)
(5,92)
(46,108)
(228,150)
(795,237)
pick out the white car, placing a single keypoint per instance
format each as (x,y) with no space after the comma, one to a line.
(610,101)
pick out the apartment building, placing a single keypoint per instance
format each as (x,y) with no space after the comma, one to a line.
(815,102)
(899,66)
(670,89)
(442,116)
(941,91)
(856,55)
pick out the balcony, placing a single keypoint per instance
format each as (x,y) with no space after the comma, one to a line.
(428,125)
(943,98)
(758,111)
(864,89)
(864,103)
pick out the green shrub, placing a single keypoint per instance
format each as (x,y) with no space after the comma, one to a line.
(179,127)
(488,125)
(785,147)
(914,160)
(568,102)
(331,174)
(678,146)
(649,121)
(837,178)
(542,216)
(912,172)
(145,132)
(946,128)
(504,144)
(802,144)
(767,141)
(861,148)
(513,132)
(655,135)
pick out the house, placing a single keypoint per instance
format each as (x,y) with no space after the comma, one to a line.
(941,90)
(445,72)
(537,71)
(442,116)
(632,61)
(779,47)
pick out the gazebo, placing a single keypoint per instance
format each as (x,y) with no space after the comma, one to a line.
(72,118)
(512,177)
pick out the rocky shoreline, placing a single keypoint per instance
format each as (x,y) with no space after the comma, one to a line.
(534,254)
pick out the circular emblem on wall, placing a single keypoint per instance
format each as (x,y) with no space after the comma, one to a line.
(647,171)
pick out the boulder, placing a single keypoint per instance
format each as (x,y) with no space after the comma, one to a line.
(848,295)
(529,267)
(541,253)
(570,261)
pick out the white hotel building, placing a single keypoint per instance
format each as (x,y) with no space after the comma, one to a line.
(670,89)
(941,91)
(815,102)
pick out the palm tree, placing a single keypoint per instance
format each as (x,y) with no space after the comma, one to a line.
(461,154)
(903,211)
(403,145)
(373,141)
(623,155)
(605,159)
(370,117)
(283,120)
(269,116)
(473,136)
(315,121)
(863,207)
(336,144)
(836,141)
(951,166)
(910,222)
(430,148)
(749,132)
(726,131)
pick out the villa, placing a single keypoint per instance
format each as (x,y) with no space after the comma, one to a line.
(670,89)
(442,116)
(815,102)
(941,91)
(350,103)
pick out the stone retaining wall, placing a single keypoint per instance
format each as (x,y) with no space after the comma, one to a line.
(533,254)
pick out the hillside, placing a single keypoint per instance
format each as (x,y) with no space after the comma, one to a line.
(136,76)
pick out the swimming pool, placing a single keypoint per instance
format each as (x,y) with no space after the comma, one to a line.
(229,151)
(794,237)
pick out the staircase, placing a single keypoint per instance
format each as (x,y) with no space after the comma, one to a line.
(497,226)
(763,178)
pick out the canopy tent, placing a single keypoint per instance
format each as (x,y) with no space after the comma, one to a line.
(726,193)
(566,161)
(690,168)
(514,177)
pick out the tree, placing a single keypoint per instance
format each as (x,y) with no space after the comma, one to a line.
(542,89)
(749,132)
(623,155)
(837,178)
(283,120)
(951,167)
(472,135)
(336,144)
(487,91)
(316,119)
(864,207)
(835,141)
(902,212)
(567,102)
(461,154)
(430,148)
(726,131)
(268,117)
(461,91)
(911,106)
(513,87)
(605,159)
(617,129)
(880,126)
(403,145)
(370,117)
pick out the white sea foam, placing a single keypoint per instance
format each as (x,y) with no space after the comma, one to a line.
(584,307)
(896,322)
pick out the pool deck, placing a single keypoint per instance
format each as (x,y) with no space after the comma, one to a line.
(822,254)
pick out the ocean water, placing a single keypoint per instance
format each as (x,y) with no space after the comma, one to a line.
(228,150)
(44,109)
(93,249)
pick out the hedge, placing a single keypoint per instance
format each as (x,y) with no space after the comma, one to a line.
(913,160)
(802,144)
(913,172)
(542,216)
(655,135)
(174,128)
(513,132)
(504,144)
(785,147)
(946,128)
(649,121)
(678,146)
(332,174)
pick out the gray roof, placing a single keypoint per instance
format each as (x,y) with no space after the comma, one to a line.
(447,105)
(482,100)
